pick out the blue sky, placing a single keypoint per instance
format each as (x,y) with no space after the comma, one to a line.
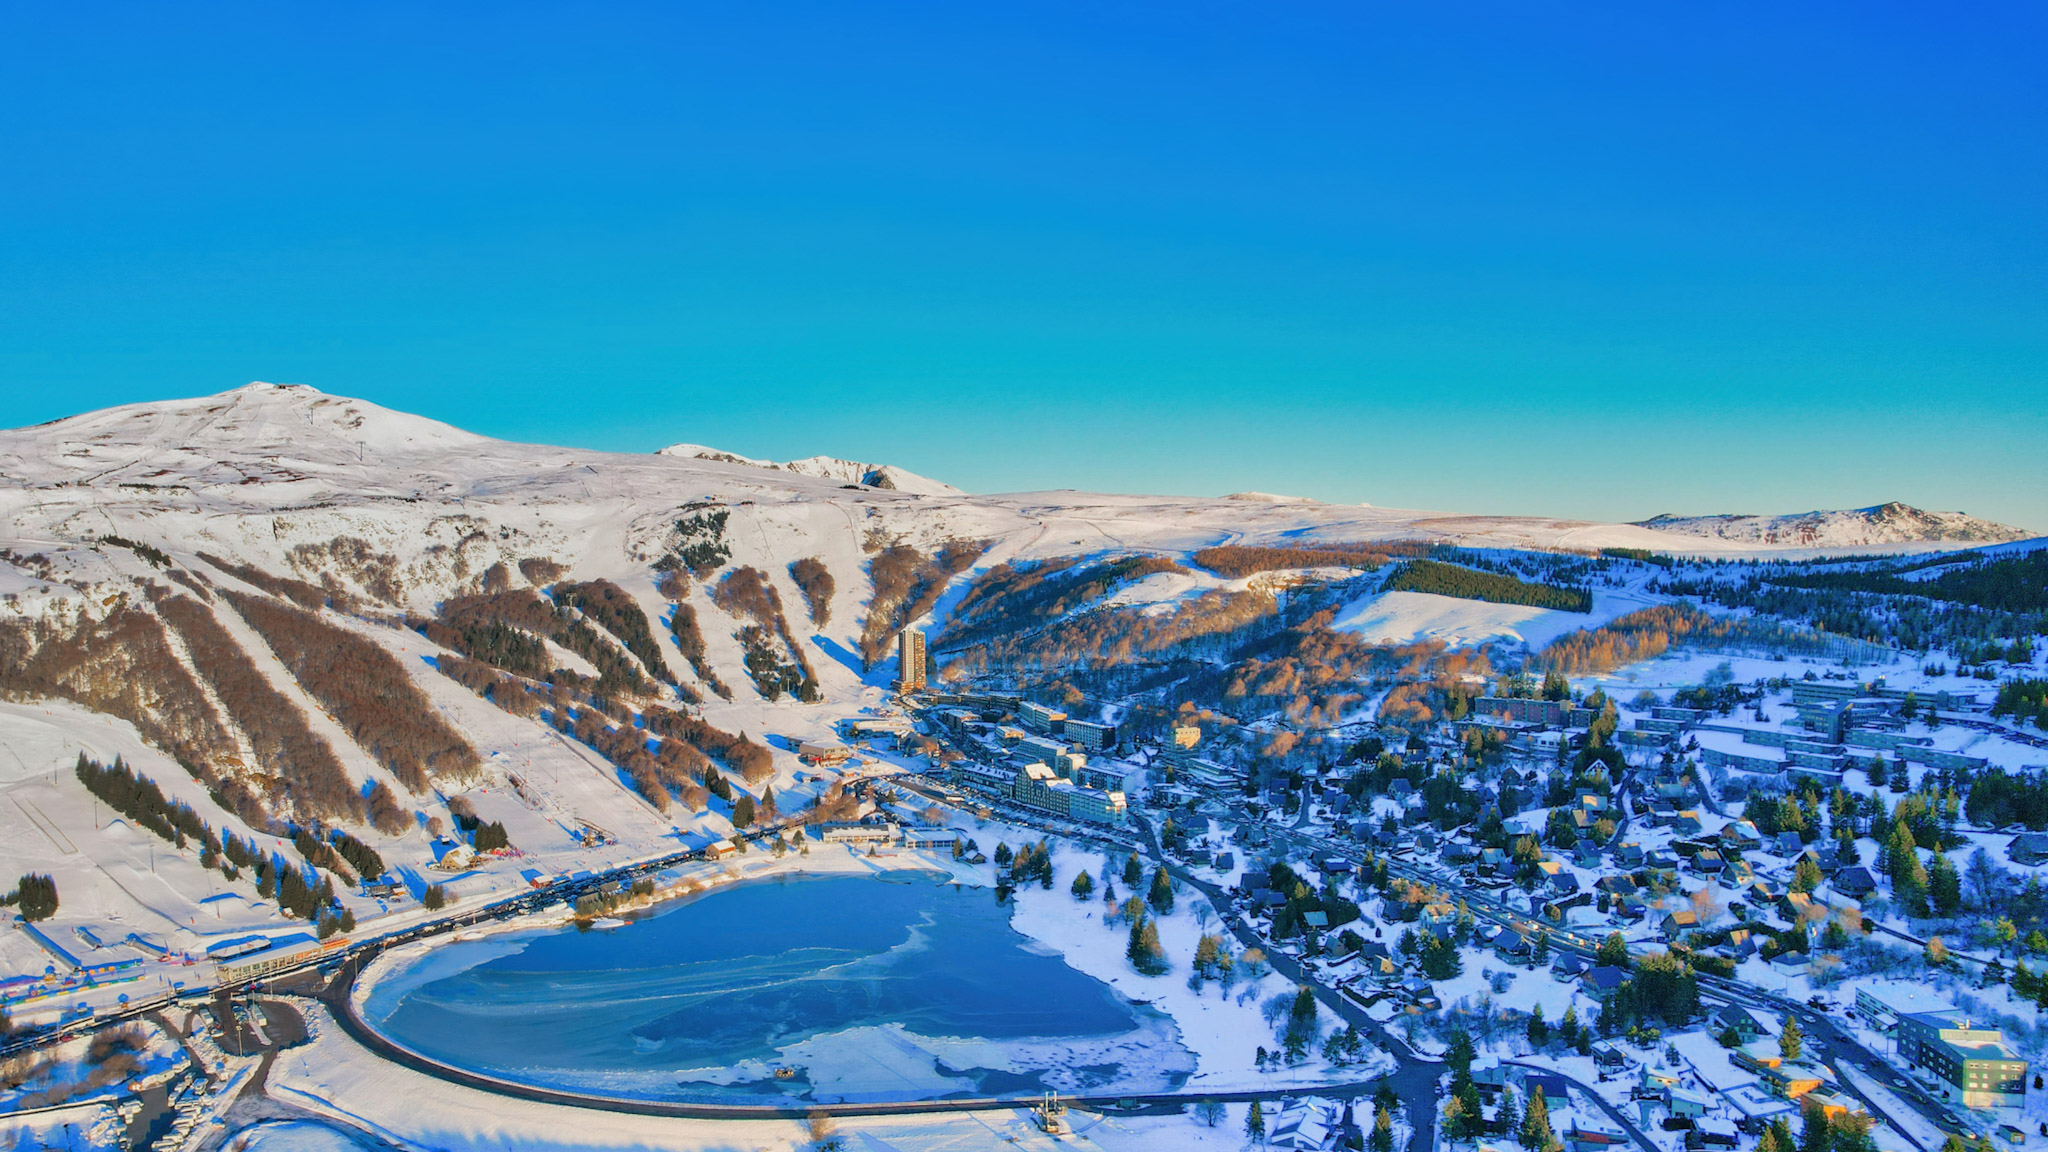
(1600,260)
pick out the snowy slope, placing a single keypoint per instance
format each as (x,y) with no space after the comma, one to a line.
(1879,525)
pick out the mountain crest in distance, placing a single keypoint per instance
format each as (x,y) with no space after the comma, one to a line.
(1889,523)
(886,476)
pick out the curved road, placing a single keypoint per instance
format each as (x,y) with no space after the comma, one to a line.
(341,1007)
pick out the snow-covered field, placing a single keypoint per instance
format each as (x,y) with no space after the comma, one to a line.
(1402,617)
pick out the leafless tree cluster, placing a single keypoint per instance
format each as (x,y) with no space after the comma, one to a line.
(746,592)
(611,608)
(815,580)
(1014,597)
(124,665)
(301,768)
(373,571)
(364,688)
(907,583)
(308,596)
(541,571)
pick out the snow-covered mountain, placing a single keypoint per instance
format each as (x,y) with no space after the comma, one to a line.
(886,476)
(1881,524)
(282,605)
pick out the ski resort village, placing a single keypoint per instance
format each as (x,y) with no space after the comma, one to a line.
(370,784)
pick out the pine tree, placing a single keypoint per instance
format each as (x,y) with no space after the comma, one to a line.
(1083,886)
(1614,952)
(743,811)
(1539,1032)
(1134,872)
(1507,1117)
(1254,1121)
(1944,886)
(1789,1039)
(1541,954)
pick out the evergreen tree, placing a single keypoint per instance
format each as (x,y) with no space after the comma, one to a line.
(1944,886)
(1540,955)
(1143,948)
(1614,952)
(1134,872)
(1083,886)
(1382,1138)
(1461,1053)
(1473,1124)
(1539,1032)
(434,898)
(1506,1116)
(1161,895)
(36,894)
(743,811)
(1254,1117)
(1813,1134)
(1789,1039)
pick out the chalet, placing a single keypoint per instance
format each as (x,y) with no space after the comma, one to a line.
(1492,859)
(2028,848)
(1855,882)
(1678,923)
(1552,1085)
(1629,855)
(1741,834)
(1799,908)
(1687,823)
(1615,884)
(1788,845)
(1789,964)
(1685,1103)
(1600,982)
(1740,1020)
(1515,946)
(1661,1080)
(1737,873)
(1707,862)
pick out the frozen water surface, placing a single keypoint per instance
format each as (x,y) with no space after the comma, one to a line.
(816,988)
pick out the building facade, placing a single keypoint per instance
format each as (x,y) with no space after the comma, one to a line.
(910,660)
(1975,1064)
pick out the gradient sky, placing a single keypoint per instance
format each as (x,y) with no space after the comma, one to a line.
(1596,260)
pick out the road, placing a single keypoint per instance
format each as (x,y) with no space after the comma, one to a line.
(1613,1113)
(1415,1077)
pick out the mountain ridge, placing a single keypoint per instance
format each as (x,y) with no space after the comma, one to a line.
(1892,522)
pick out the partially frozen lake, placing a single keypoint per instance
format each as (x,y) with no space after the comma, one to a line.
(829,988)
